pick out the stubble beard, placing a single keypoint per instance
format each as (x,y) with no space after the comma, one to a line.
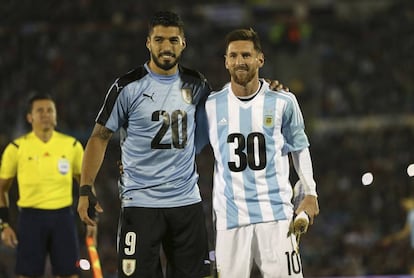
(242,78)
(165,65)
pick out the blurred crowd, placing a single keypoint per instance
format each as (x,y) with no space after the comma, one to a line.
(350,63)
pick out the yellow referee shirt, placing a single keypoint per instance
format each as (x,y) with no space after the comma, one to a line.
(44,170)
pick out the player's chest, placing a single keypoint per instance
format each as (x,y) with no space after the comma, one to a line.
(248,118)
(165,103)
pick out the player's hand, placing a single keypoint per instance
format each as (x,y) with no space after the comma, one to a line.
(8,236)
(88,206)
(275,85)
(310,206)
(92,231)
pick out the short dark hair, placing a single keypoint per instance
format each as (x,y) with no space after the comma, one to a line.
(244,35)
(35,97)
(167,19)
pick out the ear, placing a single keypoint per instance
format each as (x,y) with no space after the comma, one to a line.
(184,44)
(260,60)
(29,118)
(147,44)
(225,62)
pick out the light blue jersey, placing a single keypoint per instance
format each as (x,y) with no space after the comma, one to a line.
(157,118)
(251,141)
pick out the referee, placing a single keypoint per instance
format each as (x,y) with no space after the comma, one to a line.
(45,162)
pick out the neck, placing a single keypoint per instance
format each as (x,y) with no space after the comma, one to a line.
(245,90)
(44,135)
(156,69)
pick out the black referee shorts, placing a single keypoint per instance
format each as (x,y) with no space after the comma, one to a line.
(47,232)
(180,231)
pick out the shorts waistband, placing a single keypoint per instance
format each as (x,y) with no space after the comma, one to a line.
(65,209)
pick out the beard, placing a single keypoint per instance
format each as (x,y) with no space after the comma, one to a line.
(163,63)
(242,78)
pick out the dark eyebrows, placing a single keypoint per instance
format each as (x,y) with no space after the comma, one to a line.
(167,38)
(244,53)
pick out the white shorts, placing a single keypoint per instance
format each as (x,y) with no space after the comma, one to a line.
(269,245)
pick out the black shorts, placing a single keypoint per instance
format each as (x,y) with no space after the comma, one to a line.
(47,232)
(180,231)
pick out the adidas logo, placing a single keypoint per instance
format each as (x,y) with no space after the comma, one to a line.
(223,121)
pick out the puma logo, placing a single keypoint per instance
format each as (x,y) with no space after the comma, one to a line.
(149,96)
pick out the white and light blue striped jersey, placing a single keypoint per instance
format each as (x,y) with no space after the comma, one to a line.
(251,141)
(157,118)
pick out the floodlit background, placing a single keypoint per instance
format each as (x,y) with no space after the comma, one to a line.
(349,62)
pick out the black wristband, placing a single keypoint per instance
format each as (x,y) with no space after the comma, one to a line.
(4,215)
(86,190)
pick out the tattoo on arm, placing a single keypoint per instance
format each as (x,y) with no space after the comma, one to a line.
(102,132)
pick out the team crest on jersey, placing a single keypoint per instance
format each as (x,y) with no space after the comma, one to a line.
(128,266)
(268,120)
(187,95)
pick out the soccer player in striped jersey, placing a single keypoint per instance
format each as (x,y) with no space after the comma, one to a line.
(155,108)
(45,162)
(252,130)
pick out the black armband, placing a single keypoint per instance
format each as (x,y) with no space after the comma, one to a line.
(86,190)
(4,215)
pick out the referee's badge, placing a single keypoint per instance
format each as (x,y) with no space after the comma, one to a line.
(187,95)
(128,266)
(63,166)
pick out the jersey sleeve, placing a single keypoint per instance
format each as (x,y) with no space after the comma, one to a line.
(77,158)
(201,130)
(8,166)
(114,111)
(293,127)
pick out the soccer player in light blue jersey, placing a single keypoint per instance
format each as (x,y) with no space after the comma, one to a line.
(155,108)
(252,130)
